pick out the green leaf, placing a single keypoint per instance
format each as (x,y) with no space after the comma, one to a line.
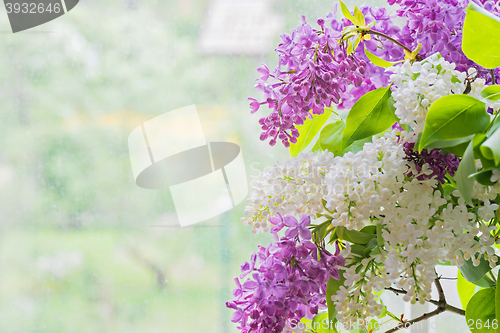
(483,177)
(454,117)
(491,92)
(317,147)
(475,273)
(491,147)
(357,237)
(497,305)
(465,289)
(331,137)
(485,282)
(480,310)
(358,249)
(449,143)
(359,17)
(356,43)
(379,61)
(306,323)
(380,239)
(466,167)
(494,126)
(332,287)
(369,229)
(480,41)
(308,131)
(448,188)
(391,103)
(321,323)
(369,116)
(458,150)
(356,146)
(347,14)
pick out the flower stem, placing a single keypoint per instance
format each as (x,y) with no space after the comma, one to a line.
(381,34)
(492,71)
(492,276)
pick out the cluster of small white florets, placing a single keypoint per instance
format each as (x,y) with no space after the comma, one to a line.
(296,187)
(356,299)
(421,226)
(418,85)
(358,184)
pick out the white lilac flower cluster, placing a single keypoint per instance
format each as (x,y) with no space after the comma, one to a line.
(296,187)
(418,85)
(358,184)
(421,226)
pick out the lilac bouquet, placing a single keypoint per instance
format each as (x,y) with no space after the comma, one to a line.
(403,180)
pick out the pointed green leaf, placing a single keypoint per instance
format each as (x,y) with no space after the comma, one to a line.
(483,177)
(369,116)
(356,146)
(480,41)
(480,310)
(491,147)
(485,282)
(449,143)
(497,306)
(360,18)
(491,92)
(347,14)
(380,238)
(379,61)
(466,167)
(475,273)
(332,287)
(453,117)
(331,137)
(357,40)
(465,289)
(350,47)
(308,131)
(357,237)
(317,147)
(321,323)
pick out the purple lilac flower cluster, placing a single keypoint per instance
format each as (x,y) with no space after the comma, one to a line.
(437,25)
(288,279)
(314,72)
(439,163)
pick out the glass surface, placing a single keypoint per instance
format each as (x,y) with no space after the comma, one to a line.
(84,249)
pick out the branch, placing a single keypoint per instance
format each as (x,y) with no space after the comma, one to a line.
(453,309)
(408,323)
(160,277)
(441,304)
(396,291)
(440,290)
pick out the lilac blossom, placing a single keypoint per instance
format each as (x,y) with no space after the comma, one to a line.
(288,280)
(314,72)
(439,163)
(437,25)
